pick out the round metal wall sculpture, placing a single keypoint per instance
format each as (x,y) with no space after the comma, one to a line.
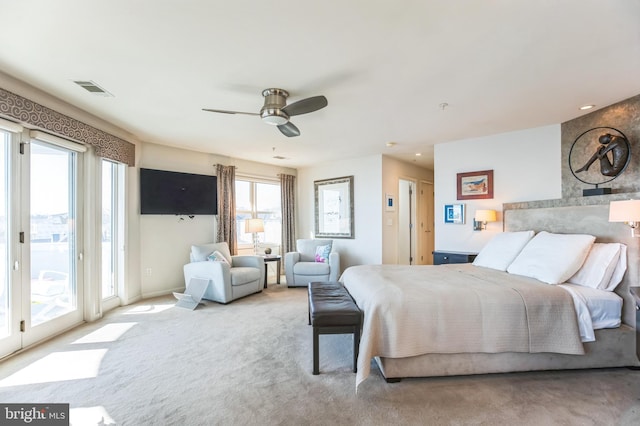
(598,156)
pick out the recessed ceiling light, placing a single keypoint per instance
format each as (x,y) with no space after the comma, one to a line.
(584,107)
(391,144)
(418,154)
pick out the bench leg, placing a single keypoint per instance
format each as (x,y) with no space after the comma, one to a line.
(316,354)
(356,347)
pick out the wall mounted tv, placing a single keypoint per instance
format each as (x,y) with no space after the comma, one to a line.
(164,192)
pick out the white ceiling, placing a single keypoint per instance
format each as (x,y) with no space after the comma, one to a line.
(384,66)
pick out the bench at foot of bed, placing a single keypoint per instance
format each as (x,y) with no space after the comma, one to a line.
(333,311)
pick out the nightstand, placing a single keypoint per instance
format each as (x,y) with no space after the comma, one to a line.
(442,257)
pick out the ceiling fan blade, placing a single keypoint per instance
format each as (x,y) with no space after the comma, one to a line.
(305,106)
(224,111)
(289,129)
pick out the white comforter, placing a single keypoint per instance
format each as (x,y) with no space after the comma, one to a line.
(414,310)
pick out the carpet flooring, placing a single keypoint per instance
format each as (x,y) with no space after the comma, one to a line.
(249,363)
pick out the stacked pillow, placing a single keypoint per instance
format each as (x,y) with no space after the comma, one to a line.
(552,258)
(502,250)
(604,267)
(556,258)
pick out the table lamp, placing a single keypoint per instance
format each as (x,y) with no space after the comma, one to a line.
(254,226)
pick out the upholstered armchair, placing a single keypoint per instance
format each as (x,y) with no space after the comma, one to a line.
(230,277)
(311,262)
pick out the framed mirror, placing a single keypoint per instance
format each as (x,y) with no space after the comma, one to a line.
(334,208)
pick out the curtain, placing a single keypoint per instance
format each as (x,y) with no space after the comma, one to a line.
(227,206)
(288,207)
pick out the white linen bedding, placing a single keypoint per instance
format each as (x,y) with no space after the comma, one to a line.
(595,309)
(458,308)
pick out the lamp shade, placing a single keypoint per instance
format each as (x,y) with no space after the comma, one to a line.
(624,211)
(485,216)
(254,225)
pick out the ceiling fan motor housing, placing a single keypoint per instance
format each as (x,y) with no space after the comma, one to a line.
(274,101)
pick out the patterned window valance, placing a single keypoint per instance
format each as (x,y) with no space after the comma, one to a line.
(35,115)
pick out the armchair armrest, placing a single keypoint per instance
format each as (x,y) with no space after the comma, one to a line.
(334,266)
(290,259)
(217,272)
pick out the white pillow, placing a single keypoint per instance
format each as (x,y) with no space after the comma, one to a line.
(552,258)
(502,249)
(597,270)
(620,269)
(200,253)
(216,256)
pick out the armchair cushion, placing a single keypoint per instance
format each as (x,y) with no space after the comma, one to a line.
(201,252)
(244,274)
(311,268)
(307,248)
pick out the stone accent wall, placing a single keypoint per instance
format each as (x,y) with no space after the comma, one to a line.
(624,116)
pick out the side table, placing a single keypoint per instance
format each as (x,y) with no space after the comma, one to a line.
(272,258)
(443,257)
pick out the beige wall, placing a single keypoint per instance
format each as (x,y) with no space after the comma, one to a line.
(165,240)
(392,171)
(375,176)
(526,166)
(366,247)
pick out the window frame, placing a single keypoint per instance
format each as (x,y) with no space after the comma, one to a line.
(255,213)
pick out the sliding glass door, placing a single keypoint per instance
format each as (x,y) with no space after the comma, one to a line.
(10,338)
(54,297)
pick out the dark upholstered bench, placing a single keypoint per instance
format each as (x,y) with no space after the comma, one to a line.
(333,311)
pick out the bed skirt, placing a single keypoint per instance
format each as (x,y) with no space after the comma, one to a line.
(612,348)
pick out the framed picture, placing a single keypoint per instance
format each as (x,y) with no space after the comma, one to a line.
(334,208)
(454,213)
(475,185)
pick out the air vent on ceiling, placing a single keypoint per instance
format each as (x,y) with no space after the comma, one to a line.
(92,87)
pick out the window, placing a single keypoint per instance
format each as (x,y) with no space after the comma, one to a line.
(258,199)
(111,228)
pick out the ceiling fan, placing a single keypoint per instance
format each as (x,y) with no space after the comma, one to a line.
(276,111)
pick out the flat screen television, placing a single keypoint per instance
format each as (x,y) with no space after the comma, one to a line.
(175,193)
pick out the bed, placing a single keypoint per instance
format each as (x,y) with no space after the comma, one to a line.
(539,332)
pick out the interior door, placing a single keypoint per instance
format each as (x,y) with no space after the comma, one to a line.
(52,290)
(426,236)
(406,222)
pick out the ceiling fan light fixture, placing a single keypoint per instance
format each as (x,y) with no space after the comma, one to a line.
(274,116)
